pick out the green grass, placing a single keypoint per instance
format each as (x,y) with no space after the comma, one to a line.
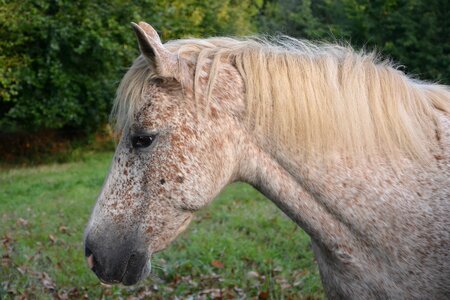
(241,246)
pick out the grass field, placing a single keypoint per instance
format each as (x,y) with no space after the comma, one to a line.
(240,247)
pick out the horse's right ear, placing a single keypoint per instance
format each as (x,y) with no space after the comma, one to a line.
(163,61)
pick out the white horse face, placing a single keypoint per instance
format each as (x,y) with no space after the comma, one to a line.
(170,162)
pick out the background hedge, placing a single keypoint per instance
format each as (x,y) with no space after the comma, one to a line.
(61,60)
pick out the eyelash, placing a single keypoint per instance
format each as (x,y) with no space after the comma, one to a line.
(158,80)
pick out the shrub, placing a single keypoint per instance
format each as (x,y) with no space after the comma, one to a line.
(414,33)
(60,60)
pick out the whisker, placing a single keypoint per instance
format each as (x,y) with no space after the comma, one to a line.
(158,267)
(155,277)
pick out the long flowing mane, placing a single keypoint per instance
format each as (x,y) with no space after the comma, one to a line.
(312,98)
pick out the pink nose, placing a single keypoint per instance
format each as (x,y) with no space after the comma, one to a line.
(90,261)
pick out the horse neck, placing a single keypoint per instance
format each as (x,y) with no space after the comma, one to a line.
(324,198)
(278,180)
(335,203)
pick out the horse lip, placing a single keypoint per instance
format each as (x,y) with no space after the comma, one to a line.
(126,267)
(130,276)
(108,281)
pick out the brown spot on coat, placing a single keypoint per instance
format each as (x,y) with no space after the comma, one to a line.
(214,113)
(149,230)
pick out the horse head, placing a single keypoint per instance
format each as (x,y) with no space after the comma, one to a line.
(172,159)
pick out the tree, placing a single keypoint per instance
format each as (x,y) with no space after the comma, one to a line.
(414,33)
(60,60)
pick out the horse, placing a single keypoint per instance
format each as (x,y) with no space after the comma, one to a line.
(350,148)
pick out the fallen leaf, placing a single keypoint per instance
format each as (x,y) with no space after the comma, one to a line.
(239,291)
(217,264)
(212,293)
(61,296)
(47,282)
(6,260)
(263,295)
(143,293)
(278,269)
(64,229)
(22,269)
(74,293)
(6,240)
(285,286)
(52,238)
(252,274)
(59,265)
(298,283)
(22,222)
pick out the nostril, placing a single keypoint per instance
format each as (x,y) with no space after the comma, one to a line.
(87,252)
(90,257)
(132,263)
(90,261)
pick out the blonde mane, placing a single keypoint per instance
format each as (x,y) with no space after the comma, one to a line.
(311,98)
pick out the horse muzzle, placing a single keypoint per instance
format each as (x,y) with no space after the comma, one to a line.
(116,263)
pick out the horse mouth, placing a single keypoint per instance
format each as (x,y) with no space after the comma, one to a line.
(136,268)
(135,272)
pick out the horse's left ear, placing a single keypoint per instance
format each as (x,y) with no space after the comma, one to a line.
(164,62)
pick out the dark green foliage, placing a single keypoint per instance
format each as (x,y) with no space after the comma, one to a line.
(60,60)
(414,33)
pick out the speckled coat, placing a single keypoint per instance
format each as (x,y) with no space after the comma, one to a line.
(378,231)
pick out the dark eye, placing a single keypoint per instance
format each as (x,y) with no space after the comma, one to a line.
(158,80)
(142,141)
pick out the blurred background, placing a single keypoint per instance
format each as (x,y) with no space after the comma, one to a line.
(60,63)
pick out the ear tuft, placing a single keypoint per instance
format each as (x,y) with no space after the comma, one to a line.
(150,31)
(153,50)
(144,42)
